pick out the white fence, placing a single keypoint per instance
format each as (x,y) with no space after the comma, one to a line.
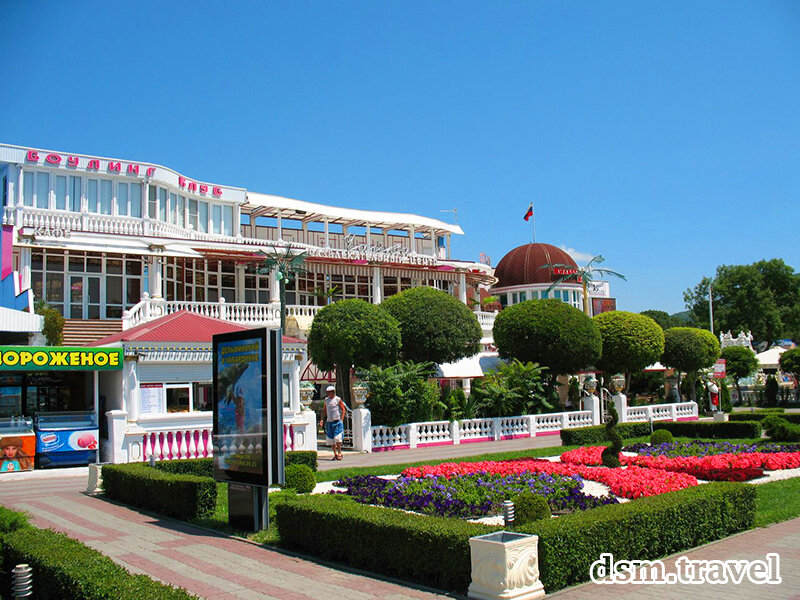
(441,433)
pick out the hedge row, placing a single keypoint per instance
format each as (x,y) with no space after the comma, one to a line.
(66,569)
(175,495)
(11,520)
(756,416)
(203,467)
(427,550)
(596,434)
(435,551)
(646,529)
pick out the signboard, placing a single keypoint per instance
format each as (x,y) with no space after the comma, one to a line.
(17,452)
(720,368)
(150,398)
(59,358)
(601,305)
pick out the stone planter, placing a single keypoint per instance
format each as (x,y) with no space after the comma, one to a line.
(306,396)
(359,395)
(505,565)
(720,417)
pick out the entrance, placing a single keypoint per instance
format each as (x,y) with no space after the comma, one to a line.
(84,297)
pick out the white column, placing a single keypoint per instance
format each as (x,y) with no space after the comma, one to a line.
(327,233)
(462,287)
(96,398)
(280,228)
(377,285)
(362,430)
(130,389)
(621,405)
(467,383)
(368,236)
(455,432)
(294,386)
(155,270)
(592,403)
(114,452)
(412,239)
(448,246)
(433,242)
(239,283)
(274,289)
(25,267)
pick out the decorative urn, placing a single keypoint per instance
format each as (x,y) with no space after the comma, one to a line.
(359,395)
(590,385)
(618,383)
(307,392)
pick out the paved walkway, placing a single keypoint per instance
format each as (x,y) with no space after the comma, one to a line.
(207,565)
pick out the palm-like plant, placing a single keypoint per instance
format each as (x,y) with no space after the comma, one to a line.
(287,266)
(584,274)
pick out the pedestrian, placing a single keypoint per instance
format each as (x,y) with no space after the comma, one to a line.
(334,428)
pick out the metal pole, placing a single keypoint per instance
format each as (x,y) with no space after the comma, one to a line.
(533,219)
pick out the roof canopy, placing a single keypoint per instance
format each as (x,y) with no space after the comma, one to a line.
(267,205)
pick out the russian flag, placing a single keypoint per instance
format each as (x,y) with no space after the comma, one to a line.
(529,212)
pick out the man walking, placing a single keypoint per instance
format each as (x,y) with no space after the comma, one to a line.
(334,427)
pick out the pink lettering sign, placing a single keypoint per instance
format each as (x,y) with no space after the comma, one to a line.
(33,156)
(93,164)
(150,171)
(72,161)
(53,159)
(133,169)
(217,191)
(114,166)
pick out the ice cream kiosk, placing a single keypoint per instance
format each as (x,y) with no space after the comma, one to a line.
(49,405)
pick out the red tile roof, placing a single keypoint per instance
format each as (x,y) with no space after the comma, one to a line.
(181,326)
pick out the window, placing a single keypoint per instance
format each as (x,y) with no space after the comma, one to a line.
(91,194)
(178,397)
(152,202)
(123,206)
(136,200)
(173,200)
(162,204)
(106,192)
(27,189)
(180,209)
(227,220)
(42,190)
(216,218)
(192,224)
(61,192)
(5,190)
(202,396)
(202,217)
(75,193)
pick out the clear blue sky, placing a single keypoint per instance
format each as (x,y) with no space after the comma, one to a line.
(663,135)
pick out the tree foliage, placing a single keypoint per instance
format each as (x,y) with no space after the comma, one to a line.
(789,362)
(663,318)
(513,388)
(434,326)
(352,333)
(740,362)
(549,332)
(763,298)
(689,349)
(631,341)
(53,327)
(400,393)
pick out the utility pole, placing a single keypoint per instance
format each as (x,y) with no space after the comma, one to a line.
(710,308)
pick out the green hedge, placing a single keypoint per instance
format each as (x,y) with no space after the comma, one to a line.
(646,529)
(203,467)
(427,550)
(11,520)
(175,495)
(596,434)
(66,569)
(756,416)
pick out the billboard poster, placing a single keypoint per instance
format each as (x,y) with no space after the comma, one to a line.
(17,452)
(601,305)
(240,406)
(720,368)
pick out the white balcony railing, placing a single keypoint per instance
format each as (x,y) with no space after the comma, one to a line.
(486,319)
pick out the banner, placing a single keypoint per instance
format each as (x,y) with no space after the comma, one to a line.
(59,358)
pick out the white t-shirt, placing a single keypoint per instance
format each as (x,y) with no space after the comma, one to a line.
(332,409)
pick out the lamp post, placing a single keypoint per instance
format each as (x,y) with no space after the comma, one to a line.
(710,307)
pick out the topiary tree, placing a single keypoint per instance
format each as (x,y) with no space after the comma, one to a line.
(789,362)
(300,478)
(435,326)
(352,333)
(631,342)
(771,388)
(740,362)
(610,456)
(725,397)
(688,349)
(530,507)
(549,332)
(661,436)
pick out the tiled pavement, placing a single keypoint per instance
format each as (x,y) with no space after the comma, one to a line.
(207,565)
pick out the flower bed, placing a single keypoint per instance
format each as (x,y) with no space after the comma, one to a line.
(629,483)
(712,467)
(470,495)
(700,448)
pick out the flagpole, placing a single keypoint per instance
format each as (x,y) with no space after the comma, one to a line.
(533,218)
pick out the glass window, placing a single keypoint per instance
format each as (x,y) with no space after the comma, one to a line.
(133,292)
(192,214)
(162,204)
(227,221)
(27,189)
(152,202)
(91,193)
(106,192)
(216,218)
(201,396)
(178,399)
(75,193)
(113,290)
(522,296)
(122,199)
(61,192)
(172,203)
(136,200)
(113,266)
(181,211)
(202,217)
(42,190)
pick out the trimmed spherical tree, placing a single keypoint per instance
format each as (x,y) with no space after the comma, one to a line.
(434,326)
(789,362)
(740,362)
(689,349)
(352,333)
(631,342)
(549,332)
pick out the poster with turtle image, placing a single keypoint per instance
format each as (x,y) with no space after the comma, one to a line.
(240,407)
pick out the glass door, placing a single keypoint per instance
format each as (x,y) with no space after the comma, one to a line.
(84,297)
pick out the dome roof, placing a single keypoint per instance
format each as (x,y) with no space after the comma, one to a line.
(522,265)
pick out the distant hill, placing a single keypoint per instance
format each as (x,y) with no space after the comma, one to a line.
(683,316)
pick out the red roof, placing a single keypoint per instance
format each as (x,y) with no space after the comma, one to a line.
(522,266)
(181,326)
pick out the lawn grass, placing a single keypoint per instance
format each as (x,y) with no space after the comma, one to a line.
(776,501)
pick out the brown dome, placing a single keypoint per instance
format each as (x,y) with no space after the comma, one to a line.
(522,265)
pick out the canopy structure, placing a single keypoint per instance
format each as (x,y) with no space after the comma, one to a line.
(769,358)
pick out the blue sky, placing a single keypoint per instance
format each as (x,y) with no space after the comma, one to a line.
(665,136)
